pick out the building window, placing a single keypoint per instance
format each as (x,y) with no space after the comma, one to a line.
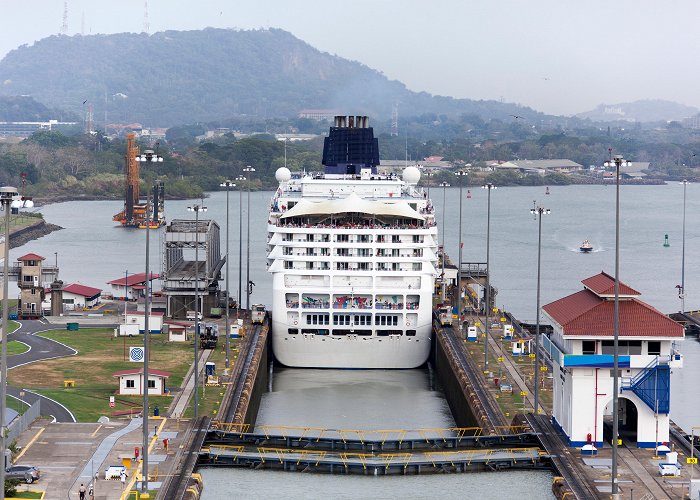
(625,347)
(130,384)
(151,384)
(654,347)
(588,347)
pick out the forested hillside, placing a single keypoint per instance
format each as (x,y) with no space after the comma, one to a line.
(178,77)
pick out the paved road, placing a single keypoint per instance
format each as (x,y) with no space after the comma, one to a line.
(40,349)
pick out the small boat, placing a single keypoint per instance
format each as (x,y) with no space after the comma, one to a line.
(586,246)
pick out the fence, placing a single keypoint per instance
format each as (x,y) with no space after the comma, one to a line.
(23,421)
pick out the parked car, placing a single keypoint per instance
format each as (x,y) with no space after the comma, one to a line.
(26,473)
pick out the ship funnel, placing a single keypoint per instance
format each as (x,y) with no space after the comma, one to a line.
(351,121)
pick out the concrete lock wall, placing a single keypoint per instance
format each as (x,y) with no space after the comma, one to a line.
(454,393)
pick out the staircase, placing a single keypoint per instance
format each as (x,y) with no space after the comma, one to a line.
(652,385)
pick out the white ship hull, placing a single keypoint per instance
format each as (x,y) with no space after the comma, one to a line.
(351,351)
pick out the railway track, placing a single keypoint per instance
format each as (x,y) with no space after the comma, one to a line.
(576,480)
(488,403)
(239,370)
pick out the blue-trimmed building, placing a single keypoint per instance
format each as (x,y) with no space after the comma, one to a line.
(581,349)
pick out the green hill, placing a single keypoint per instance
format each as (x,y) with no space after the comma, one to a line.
(177,77)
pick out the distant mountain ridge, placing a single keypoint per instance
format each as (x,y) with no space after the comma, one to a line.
(177,77)
(648,110)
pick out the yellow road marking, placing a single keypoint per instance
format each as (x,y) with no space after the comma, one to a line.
(138,472)
(95,433)
(31,442)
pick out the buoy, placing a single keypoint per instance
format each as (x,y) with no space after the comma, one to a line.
(666,243)
(469,194)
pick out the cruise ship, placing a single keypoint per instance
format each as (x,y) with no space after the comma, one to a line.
(353,254)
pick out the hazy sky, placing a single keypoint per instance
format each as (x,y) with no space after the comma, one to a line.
(557,56)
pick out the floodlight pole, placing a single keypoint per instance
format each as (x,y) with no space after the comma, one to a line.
(196,209)
(538,212)
(487,309)
(681,292)
(147,156)
(460,174)
(228,185)
(240,179)
(444,186)
(7,194)
(618,161)
(250,171)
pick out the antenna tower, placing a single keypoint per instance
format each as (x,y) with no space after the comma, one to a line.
(64,25)
(146,24)
(89,126)
(82,24)
(395,119)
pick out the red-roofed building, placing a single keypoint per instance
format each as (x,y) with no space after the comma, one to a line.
(131,381)
(77,296)
(130,287)
(581,348)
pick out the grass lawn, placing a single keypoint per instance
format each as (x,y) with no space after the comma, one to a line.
(29,494)
(14,347)
(99,355)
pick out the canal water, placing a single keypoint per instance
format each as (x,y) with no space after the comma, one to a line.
(93,251)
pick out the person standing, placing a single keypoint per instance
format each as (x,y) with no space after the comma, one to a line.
(81,492)
(123,475)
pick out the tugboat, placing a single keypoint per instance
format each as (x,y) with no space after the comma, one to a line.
(586,247)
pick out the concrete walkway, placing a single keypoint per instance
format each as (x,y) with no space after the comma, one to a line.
(103,450)
(183,399)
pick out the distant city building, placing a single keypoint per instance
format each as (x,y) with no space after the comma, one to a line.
(295,137)
(540,167)
(318,114)
(25,129)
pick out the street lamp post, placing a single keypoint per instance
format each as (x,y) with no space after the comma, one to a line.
(618,161)
(227,184)
(197,208)
(681,291)
(538,212)
(250,171)
(444,186)
(460,174)
(487,309)
(9,199)
(147,156)
(240,179)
